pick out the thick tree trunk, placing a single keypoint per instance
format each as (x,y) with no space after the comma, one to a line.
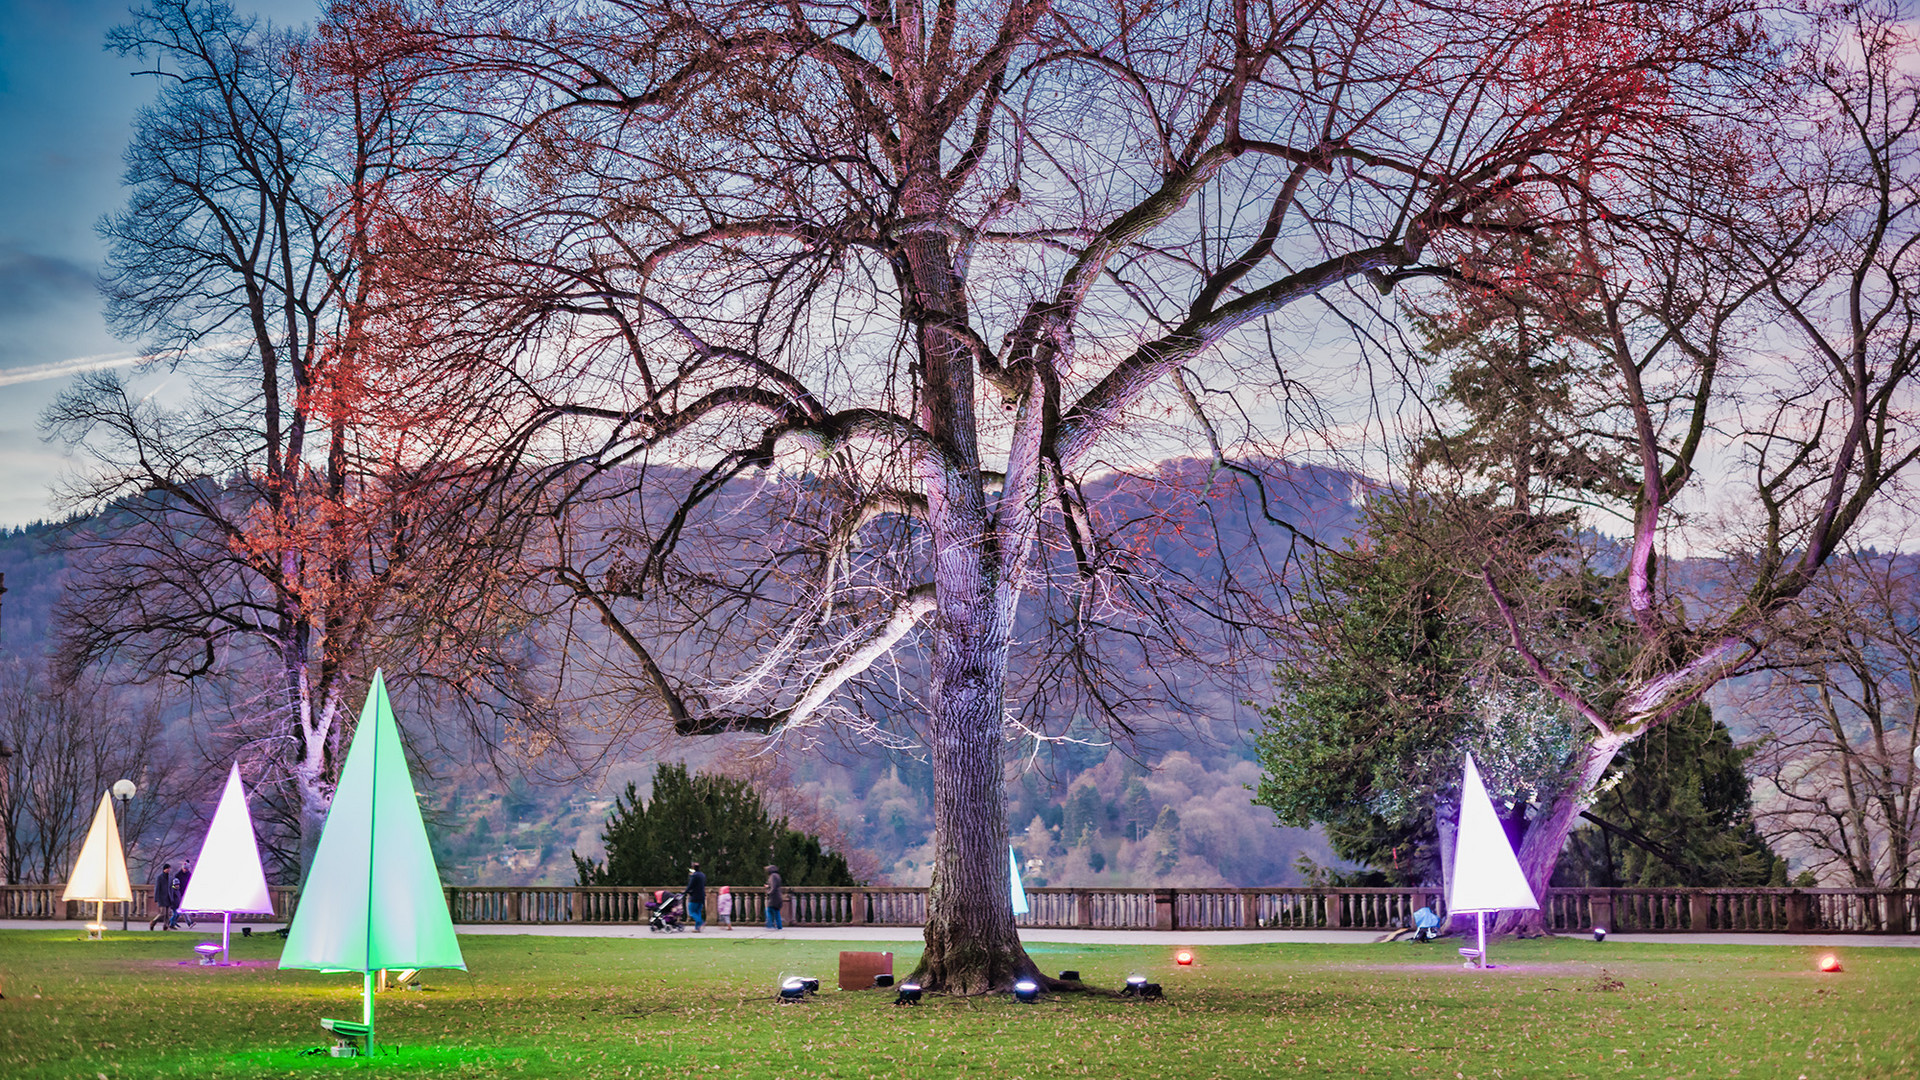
(972,946)
(312,771)
(1446,821)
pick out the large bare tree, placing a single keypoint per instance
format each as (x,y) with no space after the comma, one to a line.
(271,530)
(873,292)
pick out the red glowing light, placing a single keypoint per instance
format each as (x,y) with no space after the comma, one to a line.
(1183,958)
(1829,963)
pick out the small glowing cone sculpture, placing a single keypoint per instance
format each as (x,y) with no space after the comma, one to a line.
(227,877)
(1486,875)
(100,871)
(373,898)
(1019,891)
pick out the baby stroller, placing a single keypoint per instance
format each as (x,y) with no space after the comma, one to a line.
(664,914)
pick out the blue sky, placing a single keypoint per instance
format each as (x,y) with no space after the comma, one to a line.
(66,112)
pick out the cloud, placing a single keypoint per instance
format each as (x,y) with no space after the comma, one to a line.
(30,283)
(60,369)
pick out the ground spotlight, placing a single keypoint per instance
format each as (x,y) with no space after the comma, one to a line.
(1599,933)
(246,931)
(1026,990)
(1184,958)
(1829,963)
(883,979)
(1069,976)
(1134,983)
(207,950)
(908,994)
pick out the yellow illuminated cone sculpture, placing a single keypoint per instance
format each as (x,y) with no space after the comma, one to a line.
(100,873)
(1486,876)
(227,877)
(372,899)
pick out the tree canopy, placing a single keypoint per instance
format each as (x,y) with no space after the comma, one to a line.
(1389,684)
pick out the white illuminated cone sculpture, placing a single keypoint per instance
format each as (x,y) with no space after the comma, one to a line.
(100,872)
(1486,876)
(227,878)
(1019,891)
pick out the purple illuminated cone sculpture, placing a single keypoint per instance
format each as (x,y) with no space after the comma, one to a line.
(227,878)
(1486,876)
(372,899)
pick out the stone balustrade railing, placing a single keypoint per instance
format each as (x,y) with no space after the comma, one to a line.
(1856,911)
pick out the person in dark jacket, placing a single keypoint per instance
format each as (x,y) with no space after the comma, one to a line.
(776,896)
(163,898)
(180,879)
(697,897)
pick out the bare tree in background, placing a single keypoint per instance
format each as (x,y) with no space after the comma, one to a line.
(61,763)
(873,293)
(1838,722)
(279,526)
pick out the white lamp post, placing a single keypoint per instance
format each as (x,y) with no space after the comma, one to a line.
(123,790)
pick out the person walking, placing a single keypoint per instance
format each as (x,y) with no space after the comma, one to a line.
(723,907)
(180,879)
(697,897)
(776,896)
(163,898)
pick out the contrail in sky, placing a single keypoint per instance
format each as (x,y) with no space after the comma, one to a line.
(61,368)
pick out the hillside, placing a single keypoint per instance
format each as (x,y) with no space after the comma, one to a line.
(1168,805)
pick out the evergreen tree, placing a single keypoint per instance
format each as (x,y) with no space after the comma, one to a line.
(720,822)
(1402,662)
(1384,694)
(1678,812)
(1517,382)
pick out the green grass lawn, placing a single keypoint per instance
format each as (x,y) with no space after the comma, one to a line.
(564,1007)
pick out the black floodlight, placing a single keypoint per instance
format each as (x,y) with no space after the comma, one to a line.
(1026,990)
(1599,933)
(1069,976)
(1134,983)
(793,988)
(908,994)
(883,979)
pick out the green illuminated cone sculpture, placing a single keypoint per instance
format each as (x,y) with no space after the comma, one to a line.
(100,871)
(372,898)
